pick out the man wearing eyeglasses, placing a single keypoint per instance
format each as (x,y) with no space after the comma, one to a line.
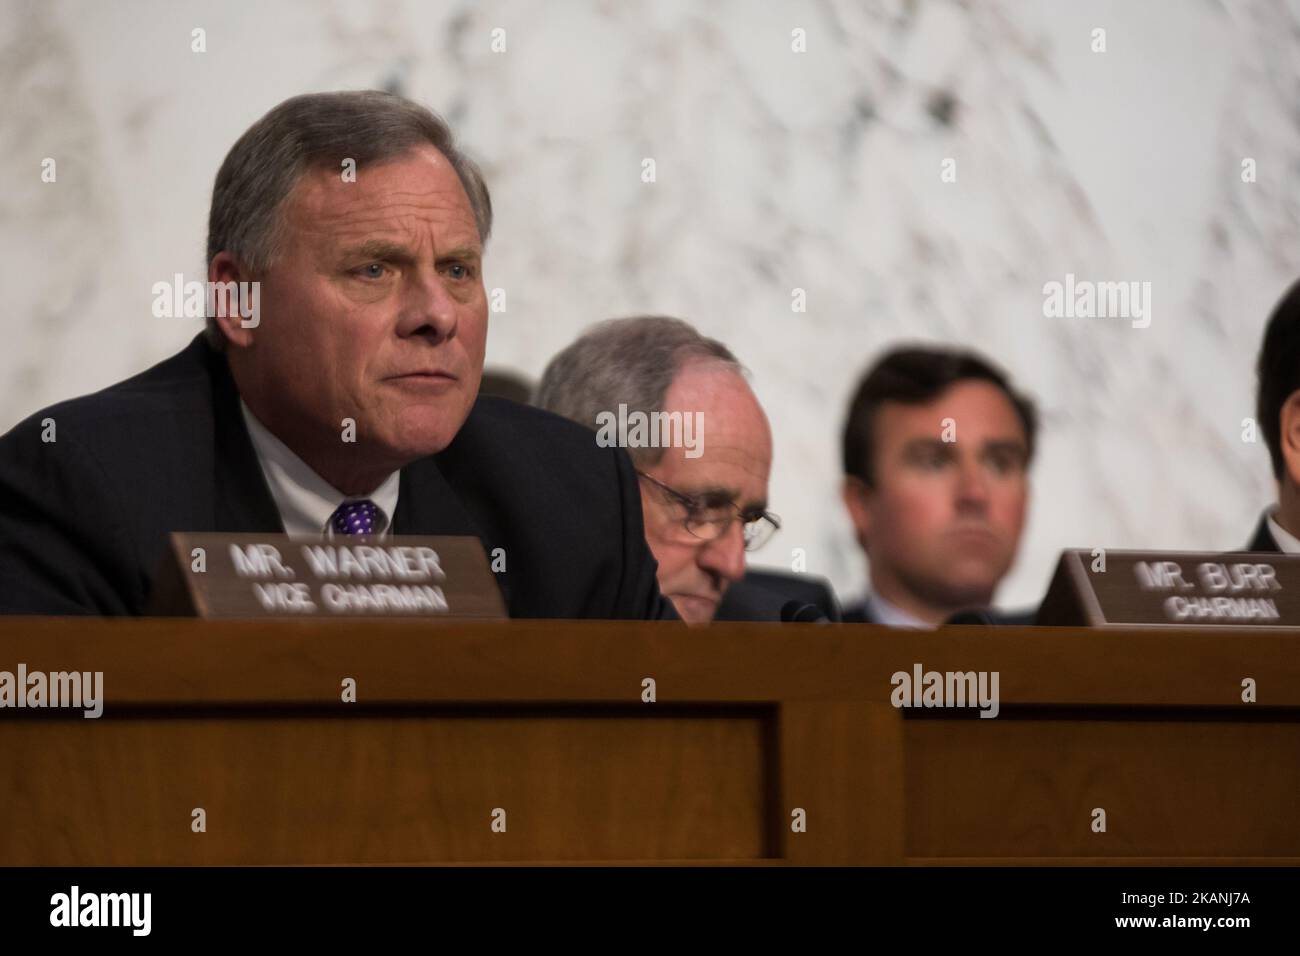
(704,500)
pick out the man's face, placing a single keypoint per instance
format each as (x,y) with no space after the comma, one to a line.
(733,470)
(943,519)
(374,311)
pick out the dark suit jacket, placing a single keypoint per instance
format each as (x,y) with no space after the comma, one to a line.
(760,596)
(858,614)
(84,520)
(1263,539)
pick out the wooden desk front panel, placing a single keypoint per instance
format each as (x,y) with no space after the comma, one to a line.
(754,725)
(389,786)
(1174,784)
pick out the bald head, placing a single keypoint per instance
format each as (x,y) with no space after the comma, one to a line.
(729,474)
(695,495)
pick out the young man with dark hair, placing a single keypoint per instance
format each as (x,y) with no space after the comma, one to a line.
(936,450)
(1277,409)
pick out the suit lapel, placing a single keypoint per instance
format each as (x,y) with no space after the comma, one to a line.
(427,504)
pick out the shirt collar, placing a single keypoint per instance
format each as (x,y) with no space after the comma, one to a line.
(304,499)
(891,615)
(1288,542)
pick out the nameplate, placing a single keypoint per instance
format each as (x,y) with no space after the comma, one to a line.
(265,575)
(1173,589)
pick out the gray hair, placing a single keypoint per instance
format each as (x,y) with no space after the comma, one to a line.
(314,131)
(630,361)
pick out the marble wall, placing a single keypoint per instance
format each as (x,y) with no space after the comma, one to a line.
(776,170)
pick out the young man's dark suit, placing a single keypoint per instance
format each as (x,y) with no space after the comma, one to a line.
(84,519)
(860,614)
(764,595)
(1263,539)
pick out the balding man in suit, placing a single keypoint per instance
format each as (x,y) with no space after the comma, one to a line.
(704,497)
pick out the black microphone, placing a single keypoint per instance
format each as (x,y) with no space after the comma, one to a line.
(801,612)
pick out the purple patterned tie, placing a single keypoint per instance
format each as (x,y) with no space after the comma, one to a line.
(356,517)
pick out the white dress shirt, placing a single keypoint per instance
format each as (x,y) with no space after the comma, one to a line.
(304,499)
(1288,542)
(891,615)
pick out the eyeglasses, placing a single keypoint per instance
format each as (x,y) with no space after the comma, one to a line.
(708,522)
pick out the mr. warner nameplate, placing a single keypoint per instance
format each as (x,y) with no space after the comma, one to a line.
(264,575)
